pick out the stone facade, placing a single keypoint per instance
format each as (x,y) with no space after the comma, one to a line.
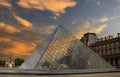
(108,48)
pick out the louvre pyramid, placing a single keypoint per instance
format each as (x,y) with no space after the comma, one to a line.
(65,51)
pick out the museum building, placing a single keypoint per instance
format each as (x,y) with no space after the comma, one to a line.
(107,47)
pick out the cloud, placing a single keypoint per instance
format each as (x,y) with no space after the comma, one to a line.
(97,2)
(23,21)
(117,7)
(20,48)
(54,17)
(5,39)
(43,29)
(80,29)
(115,17)
(8,28)
(5,3)
(104,19)
(24,43)
(56,6)
(94,25)
(16,47)
(100,28)
(118,0)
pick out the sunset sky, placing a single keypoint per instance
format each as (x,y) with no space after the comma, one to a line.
(25,23)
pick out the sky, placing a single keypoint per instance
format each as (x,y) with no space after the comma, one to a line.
(25,24)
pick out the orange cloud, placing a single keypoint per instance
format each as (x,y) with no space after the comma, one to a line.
(8,28)
(24,44)
(23,21)
(100,28)
(86,27)
(55,6)
(20,48)
(5,39)
(17,48)
(5,3)
(104,19)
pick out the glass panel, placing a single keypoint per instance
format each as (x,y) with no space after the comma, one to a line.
(65,51)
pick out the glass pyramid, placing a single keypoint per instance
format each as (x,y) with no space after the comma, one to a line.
(64,51)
